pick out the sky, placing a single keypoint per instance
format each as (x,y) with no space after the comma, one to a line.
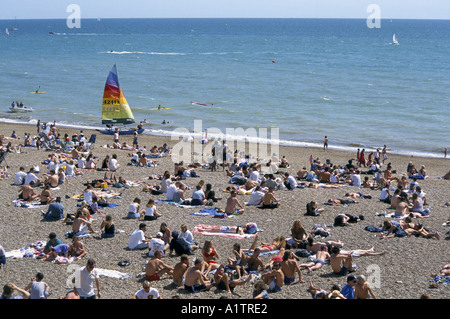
(389,9)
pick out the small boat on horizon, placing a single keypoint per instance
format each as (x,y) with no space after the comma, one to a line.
(394,40)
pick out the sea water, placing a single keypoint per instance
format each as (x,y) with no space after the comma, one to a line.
(308,78)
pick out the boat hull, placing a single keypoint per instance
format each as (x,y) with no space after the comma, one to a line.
(20,110)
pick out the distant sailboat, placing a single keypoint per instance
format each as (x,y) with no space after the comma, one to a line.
(7,31)
(115,108)
(394,40)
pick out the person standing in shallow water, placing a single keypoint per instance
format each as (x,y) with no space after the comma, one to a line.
(325,143)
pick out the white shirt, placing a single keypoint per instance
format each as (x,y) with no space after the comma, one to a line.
(170,191)
(87,196)
(355,180)
(149,211)
(81,162)
(255,198)
(19,178)
(254,176)
(151,294)
(291,181)
(113,164)
(165,183)
(30,177)
(70,170)
(187,236)
(198,194)
(156,244)
(136,238)
(84,281)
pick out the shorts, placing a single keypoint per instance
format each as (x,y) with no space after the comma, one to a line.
(152,277)
(195,288)
(288,280)
(273,287)
(225,229)
(319,261)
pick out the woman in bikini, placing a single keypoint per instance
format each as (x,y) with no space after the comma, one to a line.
(209,256)
(77,249)
(278,243)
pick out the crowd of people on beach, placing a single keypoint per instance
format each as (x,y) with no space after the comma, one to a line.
(74,156)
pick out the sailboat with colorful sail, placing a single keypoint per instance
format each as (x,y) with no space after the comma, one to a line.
(115,108)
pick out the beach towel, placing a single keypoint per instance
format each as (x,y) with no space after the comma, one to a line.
(26,204)
(439,279)
(205,212)
(113,273)
(263,253)
(197,230)
(28,251)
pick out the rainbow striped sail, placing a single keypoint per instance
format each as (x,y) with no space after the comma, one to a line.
(115,108)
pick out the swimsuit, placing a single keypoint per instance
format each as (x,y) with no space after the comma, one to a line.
(288,280)
(320,261)
(212,254)
(153,277)
(195,288)
(270,247)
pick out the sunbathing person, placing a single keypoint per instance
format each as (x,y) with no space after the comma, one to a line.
(249,228)
(289,267)
(239,261)
(358,195)
(322,257)
(232,202)
(419,230)
(254,264)
(46,197)
(27,193)
(277,244)
(209,255)
(269,200)
(339,202)
(224,282)
(81,224)
(445,270)
(341,263)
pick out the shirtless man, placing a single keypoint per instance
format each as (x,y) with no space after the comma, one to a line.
(322,256)
(341,263)
(311,245)
(269,200)
(194,280)
(362,288)
(232,202)
(156,268)
(325,176)
(27,193)
(80,224)
(274,278)
(179,271)
(253,262)
(301,174)
(289,267)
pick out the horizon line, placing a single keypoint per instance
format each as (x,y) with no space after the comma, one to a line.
(336,18)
